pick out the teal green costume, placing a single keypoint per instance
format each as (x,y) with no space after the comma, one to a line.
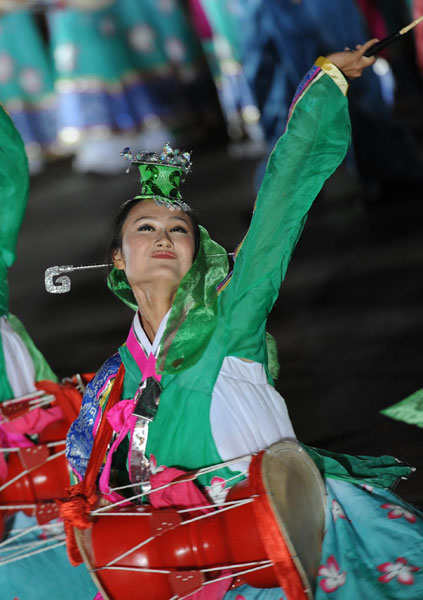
(233,323)
(47,574)
(409,410)
(27,86)
(373,540)
(14,185)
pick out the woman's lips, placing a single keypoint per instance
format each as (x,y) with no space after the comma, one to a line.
(161,254)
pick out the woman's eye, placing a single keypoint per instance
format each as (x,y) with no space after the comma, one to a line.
(179,228)
(145,228)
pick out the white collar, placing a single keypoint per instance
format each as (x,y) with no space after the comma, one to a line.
(146,345)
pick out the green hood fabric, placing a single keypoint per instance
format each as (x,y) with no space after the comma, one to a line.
(194,308)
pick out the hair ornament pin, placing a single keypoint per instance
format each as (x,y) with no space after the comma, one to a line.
(57,283)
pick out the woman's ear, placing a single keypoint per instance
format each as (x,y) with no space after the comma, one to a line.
(118,261)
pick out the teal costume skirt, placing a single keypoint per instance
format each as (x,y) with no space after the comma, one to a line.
(372,548)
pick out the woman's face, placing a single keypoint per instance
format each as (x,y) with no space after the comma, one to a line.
(157,245)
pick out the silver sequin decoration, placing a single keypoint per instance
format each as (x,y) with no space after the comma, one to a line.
(147,396)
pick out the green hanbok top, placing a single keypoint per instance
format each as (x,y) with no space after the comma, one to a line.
(220,407)
(211,353)
(215,405)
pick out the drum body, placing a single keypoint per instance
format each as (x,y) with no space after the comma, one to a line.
(35,482)
(139,552)
(38,475)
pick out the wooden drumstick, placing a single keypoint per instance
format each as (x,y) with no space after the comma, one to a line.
(391,38)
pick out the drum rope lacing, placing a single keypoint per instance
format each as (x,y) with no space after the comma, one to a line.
(20,556)
(186,478)
(48,445)
(262,564)
(24,532)
(222,506)
(179,510)
(31,399)
(29,554)
(129,485)
(34,545)
(234,504)
(232,575)
(51,535)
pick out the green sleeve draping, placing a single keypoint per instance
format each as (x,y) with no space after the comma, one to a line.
(313,146)
(379,471)
(6,391)
(42,368)
(409,410)
(14,185)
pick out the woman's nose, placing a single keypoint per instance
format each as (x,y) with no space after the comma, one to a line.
(164,241)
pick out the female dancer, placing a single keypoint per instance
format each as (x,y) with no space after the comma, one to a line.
(198,344)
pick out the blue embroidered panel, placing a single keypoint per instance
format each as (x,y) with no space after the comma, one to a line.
(80,439)
(305,82)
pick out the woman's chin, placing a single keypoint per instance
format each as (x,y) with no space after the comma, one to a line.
(162,277)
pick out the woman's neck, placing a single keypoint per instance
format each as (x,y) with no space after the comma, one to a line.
(153,305)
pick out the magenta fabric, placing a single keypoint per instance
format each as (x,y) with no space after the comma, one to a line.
(12,433)
(201,24)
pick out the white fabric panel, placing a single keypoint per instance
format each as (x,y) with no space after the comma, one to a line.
(247,414)
(146,345)
(19,366)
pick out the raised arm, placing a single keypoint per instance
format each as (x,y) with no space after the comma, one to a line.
(314,144)
(14,185)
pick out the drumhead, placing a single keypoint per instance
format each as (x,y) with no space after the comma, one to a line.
(297,495)
(84,543)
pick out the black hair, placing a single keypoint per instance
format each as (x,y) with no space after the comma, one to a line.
(120,218)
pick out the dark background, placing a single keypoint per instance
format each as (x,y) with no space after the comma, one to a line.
(348,323)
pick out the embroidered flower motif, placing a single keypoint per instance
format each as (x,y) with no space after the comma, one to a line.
(175,49)
(6,67)
(398,569)
(65,57)
(142,38)
(217,490)
(107,26)
(338,511)
(333,577)
(396,512)
(166,5)
(31,80)
(367,487)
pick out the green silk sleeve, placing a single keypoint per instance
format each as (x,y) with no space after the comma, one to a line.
(409,410)
(14,185)
(314,144)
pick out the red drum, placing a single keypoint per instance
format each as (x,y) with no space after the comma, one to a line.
(35,478)
(159,554)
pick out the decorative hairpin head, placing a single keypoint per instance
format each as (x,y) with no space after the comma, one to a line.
(161,174)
